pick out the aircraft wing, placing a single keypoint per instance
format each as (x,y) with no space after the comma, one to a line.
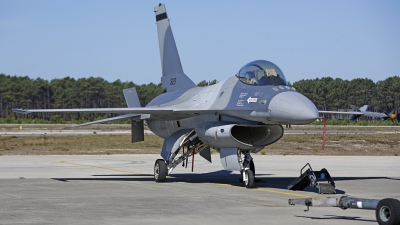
(156,111)
(337,112)
(143,112)
(134,110)
(126,116)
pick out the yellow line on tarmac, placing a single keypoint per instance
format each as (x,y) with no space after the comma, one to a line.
(275,191)
(285,193)
(99,167)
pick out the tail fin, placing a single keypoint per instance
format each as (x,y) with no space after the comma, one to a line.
(364,108)
(173,78)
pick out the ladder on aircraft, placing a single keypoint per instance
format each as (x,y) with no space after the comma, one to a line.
(185,156)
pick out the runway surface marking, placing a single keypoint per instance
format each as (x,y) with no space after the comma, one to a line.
(99,167)
(273,191)
(226,185)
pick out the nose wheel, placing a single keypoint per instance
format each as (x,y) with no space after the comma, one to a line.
(247,168)
(248,178)
(160,170)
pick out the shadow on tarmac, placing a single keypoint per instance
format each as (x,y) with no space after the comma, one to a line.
(220,177)
(335,217)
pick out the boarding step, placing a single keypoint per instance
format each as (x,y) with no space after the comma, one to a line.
(319,179)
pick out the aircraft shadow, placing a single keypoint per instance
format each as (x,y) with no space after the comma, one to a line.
(221,177)
(143,178)
(335,217)
(124,175)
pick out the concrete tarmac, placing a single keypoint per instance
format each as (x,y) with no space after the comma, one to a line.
(120,189)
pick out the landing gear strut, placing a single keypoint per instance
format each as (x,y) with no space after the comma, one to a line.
(193,145)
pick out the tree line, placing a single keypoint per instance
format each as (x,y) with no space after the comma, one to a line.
(95,92)
(337,94)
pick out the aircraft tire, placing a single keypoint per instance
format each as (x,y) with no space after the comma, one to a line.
(387,212)
(253,167)
(160,170)
(250,179)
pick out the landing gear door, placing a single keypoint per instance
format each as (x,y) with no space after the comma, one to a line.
(137,131)
(229,159)
(171,144)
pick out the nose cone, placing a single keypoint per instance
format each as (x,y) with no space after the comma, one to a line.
(292,108)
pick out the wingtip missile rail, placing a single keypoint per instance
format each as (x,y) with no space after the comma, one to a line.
(20,111)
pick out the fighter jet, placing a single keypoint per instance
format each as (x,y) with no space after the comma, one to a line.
(236,117)
(364,110)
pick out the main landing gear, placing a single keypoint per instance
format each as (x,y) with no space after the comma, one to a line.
(160,170)
(232,160)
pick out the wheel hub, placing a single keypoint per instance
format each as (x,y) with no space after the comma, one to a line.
(384,213)
(156,171)
(245,178)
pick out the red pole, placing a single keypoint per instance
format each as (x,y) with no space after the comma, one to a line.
(193,159)
(324,134)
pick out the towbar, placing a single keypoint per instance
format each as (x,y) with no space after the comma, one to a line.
(387,210)
(343,202)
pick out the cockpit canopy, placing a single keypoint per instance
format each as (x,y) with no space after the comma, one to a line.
(261,73)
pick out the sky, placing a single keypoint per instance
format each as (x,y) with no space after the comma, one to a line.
(307,39)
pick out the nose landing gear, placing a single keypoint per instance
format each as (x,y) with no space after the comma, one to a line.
(247,168)
(248,178)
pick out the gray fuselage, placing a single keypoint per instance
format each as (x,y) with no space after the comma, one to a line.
(233,101)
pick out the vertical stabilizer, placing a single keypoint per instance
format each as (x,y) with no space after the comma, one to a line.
(173,78)
(364,108)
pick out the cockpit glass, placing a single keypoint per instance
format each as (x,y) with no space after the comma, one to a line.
(261,73)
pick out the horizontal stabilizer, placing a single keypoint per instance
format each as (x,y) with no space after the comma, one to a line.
(354,108)
(131,98)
